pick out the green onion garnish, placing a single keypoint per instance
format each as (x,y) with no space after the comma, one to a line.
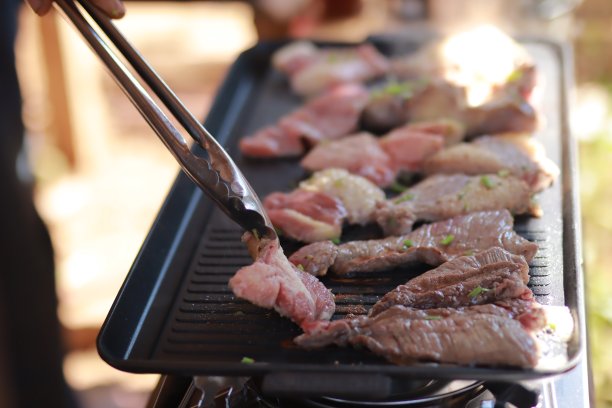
(503,173)
(398,187)
(335,240)
(515,75)
(300,267)
(447,239)
(477,291)
(408,243)
(486,181)
(403,198)
(247,360)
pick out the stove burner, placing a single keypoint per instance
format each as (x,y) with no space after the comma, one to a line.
(247,393)
(432,393)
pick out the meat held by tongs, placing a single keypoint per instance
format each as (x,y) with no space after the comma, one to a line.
(285,288)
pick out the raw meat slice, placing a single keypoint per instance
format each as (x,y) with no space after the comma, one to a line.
(312,70)
(330,116)
(273,282)
(360,154)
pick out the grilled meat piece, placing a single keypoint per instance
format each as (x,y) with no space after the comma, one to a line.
(273,282)
(312,70)
(517,154)
(396,104)
(444,196)
(378,160)
(432,244)
(330,116)
(317,209)
(360,154)
(488,276)
(408,148)
(306,216)
(358,196)
(505,113)
(403,336)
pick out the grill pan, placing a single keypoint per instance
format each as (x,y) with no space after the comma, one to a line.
(175,314)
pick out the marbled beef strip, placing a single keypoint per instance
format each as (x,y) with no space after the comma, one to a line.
(491,275)
(404,335)
(432,244)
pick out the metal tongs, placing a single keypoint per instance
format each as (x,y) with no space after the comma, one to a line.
(218,177)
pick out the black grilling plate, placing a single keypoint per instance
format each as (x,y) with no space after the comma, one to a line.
(175,313)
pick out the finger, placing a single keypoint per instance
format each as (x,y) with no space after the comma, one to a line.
(40,7)
(112,8)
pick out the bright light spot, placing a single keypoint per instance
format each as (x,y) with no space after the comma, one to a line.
(590,111)
(480,59)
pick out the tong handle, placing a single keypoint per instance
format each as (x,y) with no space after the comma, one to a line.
(219,178)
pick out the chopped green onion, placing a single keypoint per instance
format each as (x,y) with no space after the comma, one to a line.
(408,243)
(398,187)
(515,75)
(486,181)
(335,240)
(503,173)
(477,291)
(404,89)
(404,198)
(300,267)
(247,360)
(332,57)
(552,326)
(430,317)
(447,239)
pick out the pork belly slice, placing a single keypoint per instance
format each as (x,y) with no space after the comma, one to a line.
(359,196)
(317,209)
(306,216)
(491,275)
(273,282)
(312,70)
(444,196)
(377,159)
(432,244)
(330,116)
(516,154)
(403,336)
(360,154)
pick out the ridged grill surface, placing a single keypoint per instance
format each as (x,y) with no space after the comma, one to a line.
(192,323)
(210,324)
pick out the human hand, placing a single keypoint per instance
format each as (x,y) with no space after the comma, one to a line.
(112,8)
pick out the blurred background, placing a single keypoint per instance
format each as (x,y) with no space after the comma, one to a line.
(102,175)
